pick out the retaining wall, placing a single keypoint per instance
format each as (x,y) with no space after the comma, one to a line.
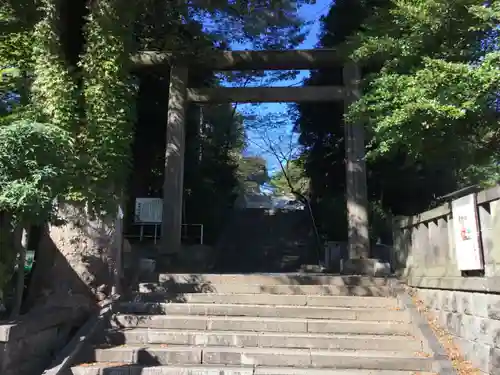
(467,304)
(29,345)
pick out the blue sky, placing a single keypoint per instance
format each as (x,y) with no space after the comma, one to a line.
(256,146)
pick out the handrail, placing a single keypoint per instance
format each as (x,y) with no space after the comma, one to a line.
(156,236)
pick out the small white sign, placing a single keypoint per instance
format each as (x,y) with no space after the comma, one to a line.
(148,210)
(466,233)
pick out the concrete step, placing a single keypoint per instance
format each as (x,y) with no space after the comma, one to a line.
(170,289)
(273,300)
(253,324)
(274,357)
(263,340)
(105,369)
(343,313)
(274,279)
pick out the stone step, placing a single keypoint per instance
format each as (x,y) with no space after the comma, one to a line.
(254,324)
(182,355)
(273,300)
(274,279)
(264,340)
(170,289)
(343,313)
(105,369)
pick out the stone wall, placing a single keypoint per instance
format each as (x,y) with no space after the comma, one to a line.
(28,346)
(466,304)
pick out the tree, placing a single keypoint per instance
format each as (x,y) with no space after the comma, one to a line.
(277,140)
(273,136)
(292,180)
(253,173)
(36,162)
(321,125)
(74,64)
(437,94)
(400,181)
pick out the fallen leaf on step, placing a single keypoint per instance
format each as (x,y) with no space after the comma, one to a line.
(462,366)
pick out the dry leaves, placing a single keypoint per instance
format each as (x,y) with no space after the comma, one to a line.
(462,366)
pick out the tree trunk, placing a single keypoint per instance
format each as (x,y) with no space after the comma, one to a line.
(22,247)
(76,260)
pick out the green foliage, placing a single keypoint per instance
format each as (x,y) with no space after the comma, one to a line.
(53,90)
(109,96)
(212,178)
(436,95)
(292,179)
(100,120)
(15,58)
(77,76)
(253,168)
(413,163)
(35,168)
(442,107)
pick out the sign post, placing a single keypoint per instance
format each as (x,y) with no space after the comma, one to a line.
(466,234)
(148,211)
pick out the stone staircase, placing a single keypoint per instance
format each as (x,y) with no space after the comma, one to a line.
(259,324)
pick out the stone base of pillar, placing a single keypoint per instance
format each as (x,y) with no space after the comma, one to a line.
(369,267)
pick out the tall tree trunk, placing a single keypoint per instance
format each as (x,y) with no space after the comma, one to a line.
(22,246)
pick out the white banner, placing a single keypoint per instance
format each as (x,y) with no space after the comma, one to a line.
(466,233)
(148,210)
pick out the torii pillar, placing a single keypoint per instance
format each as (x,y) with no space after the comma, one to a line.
(356,185)
(173,184)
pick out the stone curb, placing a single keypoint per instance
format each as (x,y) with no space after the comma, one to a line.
(67,356)
(424,332)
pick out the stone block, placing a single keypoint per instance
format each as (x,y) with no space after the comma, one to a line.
(118,355)
(161,321)
(472,319)
(446,300)
(257,357)
(341,342)
(478,354)
(242,340)
(479,304)
(169,356)
(493,306)
(370,267)
(351,301)
(92,370)
(494,365)
(358,327)
(247,299)
(173,338)
(257,325)
(369,360)
(160,370)
(493,332)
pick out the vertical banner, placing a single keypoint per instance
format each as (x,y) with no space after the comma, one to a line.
(466,234)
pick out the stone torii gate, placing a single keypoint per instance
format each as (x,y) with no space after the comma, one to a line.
(180,95)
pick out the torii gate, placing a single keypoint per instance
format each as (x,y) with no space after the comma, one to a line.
(180,95)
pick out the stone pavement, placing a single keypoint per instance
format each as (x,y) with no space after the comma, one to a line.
(265,324)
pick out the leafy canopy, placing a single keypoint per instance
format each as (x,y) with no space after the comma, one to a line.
(291,179)
(436,95)
(35,169)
